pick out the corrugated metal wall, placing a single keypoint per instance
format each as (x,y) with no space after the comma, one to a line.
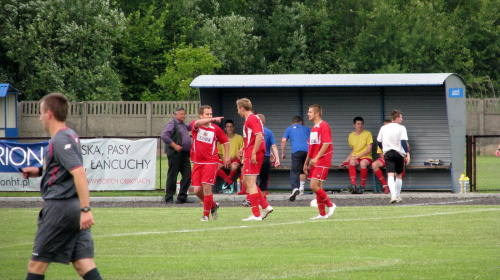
(424,110)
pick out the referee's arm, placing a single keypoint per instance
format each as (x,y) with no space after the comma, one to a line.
(82,188)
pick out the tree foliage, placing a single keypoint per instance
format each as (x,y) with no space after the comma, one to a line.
(89,50)
(64,46)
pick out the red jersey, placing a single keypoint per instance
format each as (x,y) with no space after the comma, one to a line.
(321,134)
(253,126)
(204,148)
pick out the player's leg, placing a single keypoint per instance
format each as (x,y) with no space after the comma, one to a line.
(36,270)
(364,164)
(353,163)
(317,176)
(87,269)
(376,166)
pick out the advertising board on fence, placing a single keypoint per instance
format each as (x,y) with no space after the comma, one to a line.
(111,164)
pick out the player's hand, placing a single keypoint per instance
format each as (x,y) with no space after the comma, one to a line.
(254,158)
(277,163)
(283,157)
(217,119)
(313,161)
(86,220)
(305,169)
(227,162)
(30,172)
(240,154)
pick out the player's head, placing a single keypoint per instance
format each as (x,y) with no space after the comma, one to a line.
(243,104)
(56,104)
(229,126)
(296,119)
(205,112)
(314,112)
(397,116)
(180,113)
(262,118)
(358,123)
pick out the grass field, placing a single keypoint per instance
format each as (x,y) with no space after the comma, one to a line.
(413,242)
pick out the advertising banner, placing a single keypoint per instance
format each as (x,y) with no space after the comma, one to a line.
(111,164)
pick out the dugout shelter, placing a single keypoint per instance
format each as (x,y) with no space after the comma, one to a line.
(433,106)
(8,111)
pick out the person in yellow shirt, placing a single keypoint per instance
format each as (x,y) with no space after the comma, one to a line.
(235,144)
(361,142)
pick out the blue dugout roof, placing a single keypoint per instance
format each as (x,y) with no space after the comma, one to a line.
(320,80)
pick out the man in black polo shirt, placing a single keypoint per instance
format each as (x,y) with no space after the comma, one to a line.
(64,223)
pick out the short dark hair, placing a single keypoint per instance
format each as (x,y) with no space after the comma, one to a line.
(358,119)
(296,119)
(58,104)
(229,121)
(395,114)
(316,108)
(179,108)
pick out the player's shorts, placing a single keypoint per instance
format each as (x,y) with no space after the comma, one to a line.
(382,160)
(59,238)
(204,174)
(394,162)
(250,168)
(368,159)
(234,160)
(318,173)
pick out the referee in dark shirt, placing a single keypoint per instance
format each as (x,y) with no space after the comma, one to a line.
(63,234)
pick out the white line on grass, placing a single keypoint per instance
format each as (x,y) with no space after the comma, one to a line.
(439,203)
(263,224)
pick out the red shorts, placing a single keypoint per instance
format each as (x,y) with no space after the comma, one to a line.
(382,160)
(237,160)
(368,159)
(203,174)
(318,173)
(248,167)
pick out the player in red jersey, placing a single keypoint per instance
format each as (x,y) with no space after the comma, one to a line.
(205,158)
(253,155)
(319,160)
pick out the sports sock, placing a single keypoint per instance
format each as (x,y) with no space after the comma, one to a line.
(33,276)
(92,274)
(208,200)
(363,175)
(262,199)
(323,197)
(254,203)
(392,185)
(352,174)
(380,176)
(232,174)
(321,205)
(302,185)
(399,184)
(221,173)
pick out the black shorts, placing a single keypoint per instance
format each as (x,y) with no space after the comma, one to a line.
(394,162)
(59,238)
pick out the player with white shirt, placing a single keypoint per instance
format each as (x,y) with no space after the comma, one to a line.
(392,139)
(205,158)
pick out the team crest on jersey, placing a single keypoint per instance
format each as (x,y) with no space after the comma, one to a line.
(67,146)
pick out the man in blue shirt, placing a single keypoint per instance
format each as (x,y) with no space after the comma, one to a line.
(298,135)
(269,156)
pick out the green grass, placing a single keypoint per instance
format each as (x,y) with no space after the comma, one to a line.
(487,173)
(444,242)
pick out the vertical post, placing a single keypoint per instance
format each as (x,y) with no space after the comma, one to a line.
(83,126)
(149,119)
(474,153)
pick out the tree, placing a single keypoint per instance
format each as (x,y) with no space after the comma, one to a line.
(59,45)
(184,63)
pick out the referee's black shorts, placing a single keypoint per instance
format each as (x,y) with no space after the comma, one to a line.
(59,238)
(394,162)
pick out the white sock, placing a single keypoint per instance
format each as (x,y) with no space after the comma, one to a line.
(392,185)
(302,184)
(399,184)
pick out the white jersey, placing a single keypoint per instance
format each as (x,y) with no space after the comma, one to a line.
(390,135)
